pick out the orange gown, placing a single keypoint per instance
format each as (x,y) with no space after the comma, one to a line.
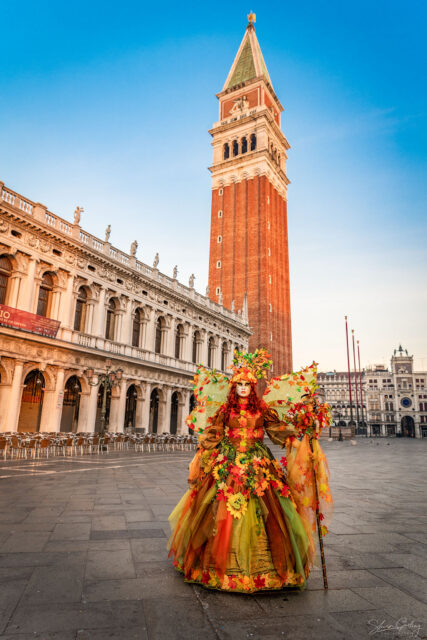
(238,527)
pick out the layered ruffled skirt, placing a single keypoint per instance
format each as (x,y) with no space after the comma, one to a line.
(237,528)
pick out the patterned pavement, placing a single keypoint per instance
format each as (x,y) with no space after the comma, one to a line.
(82,553)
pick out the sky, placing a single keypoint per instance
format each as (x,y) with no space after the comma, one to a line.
(108,105)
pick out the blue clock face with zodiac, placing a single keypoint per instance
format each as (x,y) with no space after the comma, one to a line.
(406,402)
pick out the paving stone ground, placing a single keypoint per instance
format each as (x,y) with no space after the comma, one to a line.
(83,553)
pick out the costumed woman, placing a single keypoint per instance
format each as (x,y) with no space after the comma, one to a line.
(248,523)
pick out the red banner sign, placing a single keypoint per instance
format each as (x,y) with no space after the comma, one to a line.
(17,319)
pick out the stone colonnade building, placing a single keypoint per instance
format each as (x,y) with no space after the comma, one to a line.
(82,306)
(394,400)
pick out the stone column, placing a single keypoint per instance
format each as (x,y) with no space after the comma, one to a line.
(149,343)
(145,414)
(117,408)
(99,320)
(140,388)
(170,339)
(27,291)
(166,418)
(52,405)
(55,303)
(65,314)
(87,417)
(90,308)
(14,289)
(187,351)
(184,408)
(202,350)
(127,323)
(118,326)
(11,415)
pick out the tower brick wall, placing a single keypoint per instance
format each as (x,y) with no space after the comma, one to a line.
(249,255)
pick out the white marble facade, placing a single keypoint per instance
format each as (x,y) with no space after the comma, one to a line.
(112,309)
(394,400)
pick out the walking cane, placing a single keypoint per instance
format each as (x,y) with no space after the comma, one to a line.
(319,530)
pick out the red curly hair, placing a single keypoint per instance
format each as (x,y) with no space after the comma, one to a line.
(233,405)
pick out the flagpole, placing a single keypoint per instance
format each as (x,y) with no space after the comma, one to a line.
(355,381)
(361,390)
(348,366)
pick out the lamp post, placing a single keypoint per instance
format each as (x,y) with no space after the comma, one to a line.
(109,379)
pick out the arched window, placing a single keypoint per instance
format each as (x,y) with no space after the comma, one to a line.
(235,148)
(244,145)
(160,328)
(196,340)
(80,314)
(179,334)
(211,351)
(45,295)
(136,328)
(224,351)
(110,321)
(5,272)
(253,142)
(226,151)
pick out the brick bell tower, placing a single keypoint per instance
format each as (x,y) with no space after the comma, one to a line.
(249,231)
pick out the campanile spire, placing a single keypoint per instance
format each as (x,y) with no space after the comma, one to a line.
(249,238)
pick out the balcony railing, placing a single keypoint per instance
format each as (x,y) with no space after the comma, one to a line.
(118,348)
(93,243)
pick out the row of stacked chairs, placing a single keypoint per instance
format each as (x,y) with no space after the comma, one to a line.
(42,445)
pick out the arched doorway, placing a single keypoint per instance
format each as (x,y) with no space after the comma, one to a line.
(154,410)
(408,427)
(99,423)
(193,403)
(32,401)
(174,412)
(71,405)
(130,411)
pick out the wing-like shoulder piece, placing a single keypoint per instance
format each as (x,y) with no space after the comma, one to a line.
(210,390)
(289,388)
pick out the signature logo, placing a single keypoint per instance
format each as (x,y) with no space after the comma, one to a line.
(403,628)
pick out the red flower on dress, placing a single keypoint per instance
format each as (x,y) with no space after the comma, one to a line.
(284,491)
(221,495)
(205,577)
(259,582)
(232,584)
(283,461)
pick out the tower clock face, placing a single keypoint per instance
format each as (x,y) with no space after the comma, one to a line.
(406,402)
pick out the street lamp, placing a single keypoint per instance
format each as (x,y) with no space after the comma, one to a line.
(109,379)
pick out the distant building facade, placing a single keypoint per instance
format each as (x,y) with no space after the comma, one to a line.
(394,400)
(107,309)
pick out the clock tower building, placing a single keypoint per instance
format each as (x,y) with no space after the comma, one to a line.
(249,260)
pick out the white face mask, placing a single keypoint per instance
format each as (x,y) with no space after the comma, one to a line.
(243,389)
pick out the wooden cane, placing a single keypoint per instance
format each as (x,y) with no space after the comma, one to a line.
(319,530)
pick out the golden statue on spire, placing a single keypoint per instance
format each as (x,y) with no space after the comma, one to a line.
(252,18)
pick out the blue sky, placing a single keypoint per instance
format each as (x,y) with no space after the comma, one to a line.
(108,105)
